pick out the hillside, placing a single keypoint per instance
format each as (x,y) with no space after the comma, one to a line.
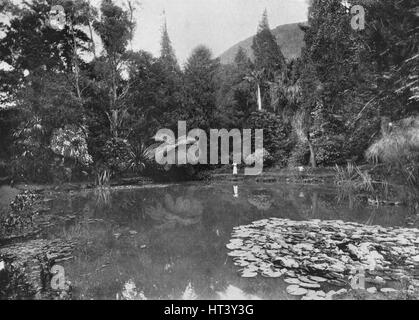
(289,37)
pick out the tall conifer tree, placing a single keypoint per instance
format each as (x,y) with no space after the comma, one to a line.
(269,61)
(268,55)
(167,53)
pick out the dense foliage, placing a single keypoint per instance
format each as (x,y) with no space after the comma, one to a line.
(275,134)
(72,107)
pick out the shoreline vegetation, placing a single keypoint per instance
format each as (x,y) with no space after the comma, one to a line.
(343,99)
(344,114)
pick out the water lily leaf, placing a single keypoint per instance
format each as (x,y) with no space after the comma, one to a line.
(272,274)
(317,279)
(309,285)
(292,280)
(232,246)
(317,251)
(237,253)
(387,290)
(249,274)
(295,290)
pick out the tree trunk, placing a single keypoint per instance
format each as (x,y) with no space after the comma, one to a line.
(312,154)
(93,46)
(259,99)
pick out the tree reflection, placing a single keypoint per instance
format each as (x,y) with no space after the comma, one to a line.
(183,210)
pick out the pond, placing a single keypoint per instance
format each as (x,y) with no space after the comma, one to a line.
(169,241)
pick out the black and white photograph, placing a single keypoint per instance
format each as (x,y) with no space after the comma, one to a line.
(207,151)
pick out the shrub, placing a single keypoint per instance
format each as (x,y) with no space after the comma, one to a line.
(299,156)
(71,143)
(141,156)
(329,150)
(399,149)
(116,154)
(275,133)
(32,158)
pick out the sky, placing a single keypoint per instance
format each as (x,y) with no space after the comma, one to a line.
(218,24)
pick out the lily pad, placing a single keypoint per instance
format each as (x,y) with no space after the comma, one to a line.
(387,290)
(342,249)
(292,280)
(296,290)
(318,279)
(314,295)
(309,285)
(372,290)
(237,253)
(272,274)
(249,274)
(306,280)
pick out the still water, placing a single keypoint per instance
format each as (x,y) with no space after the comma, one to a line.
(169,242)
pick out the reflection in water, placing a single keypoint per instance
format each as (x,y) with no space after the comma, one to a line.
(314,203)
(103,196)
(234,293)
(371,217)
(7,195)
(235,191)
(261,199)
(184,211)
(130,292)
(189,293)
(189,255)
(184,206)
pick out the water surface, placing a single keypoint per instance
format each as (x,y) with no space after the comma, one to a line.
(169,241)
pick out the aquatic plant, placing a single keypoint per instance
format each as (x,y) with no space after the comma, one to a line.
(103,178)
(103,195)
(399,149)
(352,180)
(102,191)
(20,217)
(315,254)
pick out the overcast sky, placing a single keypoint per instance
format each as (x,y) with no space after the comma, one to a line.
(219,24)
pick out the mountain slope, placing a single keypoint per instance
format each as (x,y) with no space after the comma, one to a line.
(289,37)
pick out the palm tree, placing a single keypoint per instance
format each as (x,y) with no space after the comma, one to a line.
(257,78)
(284,87)
(291,91)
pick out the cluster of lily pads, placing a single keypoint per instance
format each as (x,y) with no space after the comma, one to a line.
(20,214)
(315,255)
(24,200)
